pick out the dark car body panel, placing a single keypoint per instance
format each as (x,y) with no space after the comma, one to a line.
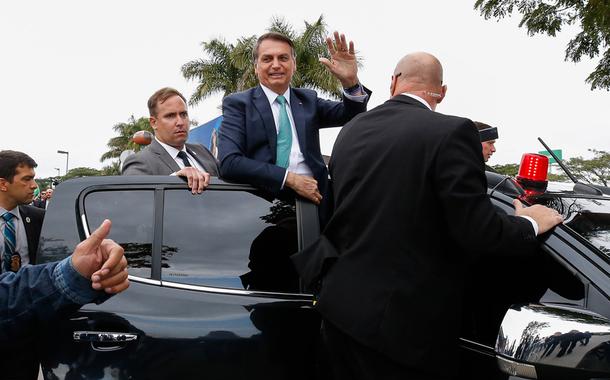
(187,328)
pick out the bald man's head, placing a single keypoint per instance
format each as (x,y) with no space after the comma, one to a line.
(420,74)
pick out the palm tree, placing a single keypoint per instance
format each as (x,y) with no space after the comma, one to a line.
(226,70)
(309,47)
(230,67)
(123,141)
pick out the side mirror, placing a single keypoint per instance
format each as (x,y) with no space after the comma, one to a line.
(541,341)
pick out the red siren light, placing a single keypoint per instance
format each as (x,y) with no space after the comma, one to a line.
(533,173)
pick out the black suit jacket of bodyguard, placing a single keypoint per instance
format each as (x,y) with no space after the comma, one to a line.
(411,211)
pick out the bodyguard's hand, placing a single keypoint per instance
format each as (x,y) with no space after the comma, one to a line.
(546,218)
(197,180)
(102,260)
(306,187)
(342,63)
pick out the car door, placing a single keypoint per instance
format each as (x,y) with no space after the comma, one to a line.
(568,272)
(212,292)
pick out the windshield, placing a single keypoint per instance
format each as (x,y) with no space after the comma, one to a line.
(589,217)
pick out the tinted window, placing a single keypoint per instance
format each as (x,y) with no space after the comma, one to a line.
(131,213)
(590,218)
(231,239)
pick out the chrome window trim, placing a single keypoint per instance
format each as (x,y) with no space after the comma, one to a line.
(240,292)
(211,289)
(85,225)
(207,289)
(144,280)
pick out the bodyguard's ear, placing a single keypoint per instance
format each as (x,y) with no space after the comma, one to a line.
(443,93)
(393,82)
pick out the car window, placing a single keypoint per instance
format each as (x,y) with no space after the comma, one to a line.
(588,217)
(131,213)
(229,239)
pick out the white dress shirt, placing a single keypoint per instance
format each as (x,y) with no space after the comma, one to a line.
(296,162)
(21,240)
(173,152)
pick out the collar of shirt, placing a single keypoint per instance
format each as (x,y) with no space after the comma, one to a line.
(422,101)
(271,96)
(173,153)
(14,211)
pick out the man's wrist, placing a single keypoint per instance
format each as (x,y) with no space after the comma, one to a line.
(355,90)
(533,222)
(72,284)
(351,84)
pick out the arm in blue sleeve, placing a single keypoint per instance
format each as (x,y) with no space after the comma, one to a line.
(39,293)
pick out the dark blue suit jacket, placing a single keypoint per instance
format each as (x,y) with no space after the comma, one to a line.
(248,138)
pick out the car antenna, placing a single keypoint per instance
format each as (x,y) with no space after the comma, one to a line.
(579,187)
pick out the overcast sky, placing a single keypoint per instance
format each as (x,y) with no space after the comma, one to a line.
(70,70)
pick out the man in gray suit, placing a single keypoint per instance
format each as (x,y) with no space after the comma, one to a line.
(169,154)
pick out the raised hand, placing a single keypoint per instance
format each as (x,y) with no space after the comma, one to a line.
(342,63)
(102,260)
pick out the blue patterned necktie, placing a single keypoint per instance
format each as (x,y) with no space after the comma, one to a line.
(9,244)
(284,135)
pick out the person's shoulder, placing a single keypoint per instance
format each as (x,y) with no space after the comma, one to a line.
(304,91)
(139,162)
(141,154)
(456,121)
(242,95)
(31,211)
(197,148)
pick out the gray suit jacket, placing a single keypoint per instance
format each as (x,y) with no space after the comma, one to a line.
(154,160)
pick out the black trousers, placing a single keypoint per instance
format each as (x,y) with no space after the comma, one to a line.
(351,360)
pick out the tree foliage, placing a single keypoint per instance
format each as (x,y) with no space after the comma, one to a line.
(229,67)
(591,17)
(46,183)
(595,170)
(123,141)
(80,172)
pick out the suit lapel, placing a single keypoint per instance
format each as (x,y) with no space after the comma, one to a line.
(298,114)
(199,159)
(261,103)
(30,226)
(156,148)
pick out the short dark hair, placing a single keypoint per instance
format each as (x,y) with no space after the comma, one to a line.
(275,37)
(161,96)
(10,160)
(480,125)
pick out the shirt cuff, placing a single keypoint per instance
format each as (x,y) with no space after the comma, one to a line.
(534,224)
(72,284)
(357,98)
(284,181)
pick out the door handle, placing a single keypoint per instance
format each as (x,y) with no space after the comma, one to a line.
(103,340)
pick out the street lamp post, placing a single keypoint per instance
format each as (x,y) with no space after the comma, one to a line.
(67,156)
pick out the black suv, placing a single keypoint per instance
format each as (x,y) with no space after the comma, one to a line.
(213,293)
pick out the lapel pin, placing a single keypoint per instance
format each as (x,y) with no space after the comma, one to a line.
(27,219)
